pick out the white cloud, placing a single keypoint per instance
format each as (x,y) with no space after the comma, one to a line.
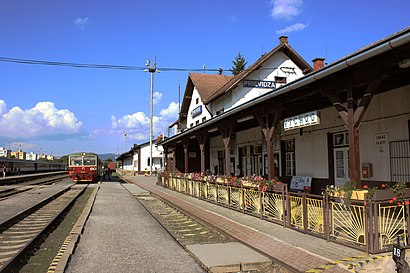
(170,111)
(137,125)
(3,107)
(81,22)
(135,120)
(157,96)
(41,120)
(292,28)
(286,9)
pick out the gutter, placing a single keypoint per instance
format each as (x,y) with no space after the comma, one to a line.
(402,39)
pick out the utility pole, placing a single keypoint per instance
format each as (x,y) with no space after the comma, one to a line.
(152,70)
(125,140)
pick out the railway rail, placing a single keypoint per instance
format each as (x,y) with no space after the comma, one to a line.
(17,179)
(20,235)
(26,185)
(188,230)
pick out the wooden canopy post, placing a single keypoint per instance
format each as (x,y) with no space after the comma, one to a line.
(226,133)
(202,138)
(173,155)
(352,117)
(166,167)
(268,127)
(185,144)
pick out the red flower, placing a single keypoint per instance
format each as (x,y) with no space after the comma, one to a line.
(399,203)
(390,201)
(407,202)
(383,185)
(394,198)
(364,203)
(264,188)
(365,187)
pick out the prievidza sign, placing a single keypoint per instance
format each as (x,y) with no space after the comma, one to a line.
(259,84)
(303,120)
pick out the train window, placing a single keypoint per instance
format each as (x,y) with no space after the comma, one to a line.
(76,161)
(89,161)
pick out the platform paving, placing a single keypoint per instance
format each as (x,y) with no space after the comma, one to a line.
(296,251)
(121,236)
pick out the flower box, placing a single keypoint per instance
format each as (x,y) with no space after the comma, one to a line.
(388,194)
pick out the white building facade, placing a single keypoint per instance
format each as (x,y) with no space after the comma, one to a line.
(346,121)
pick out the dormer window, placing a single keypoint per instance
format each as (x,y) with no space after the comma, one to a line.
(219,111)
(197,101)
(280,79)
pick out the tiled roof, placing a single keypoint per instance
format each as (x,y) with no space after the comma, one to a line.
(206,84)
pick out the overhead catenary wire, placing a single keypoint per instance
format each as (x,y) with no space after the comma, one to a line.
(108,66)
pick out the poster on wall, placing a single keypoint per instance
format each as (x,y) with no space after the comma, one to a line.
(301,183)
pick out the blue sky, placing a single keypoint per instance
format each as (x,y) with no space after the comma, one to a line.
(60,110)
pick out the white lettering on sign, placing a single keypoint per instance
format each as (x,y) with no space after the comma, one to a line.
(259,84)
(380,139)
(303,120)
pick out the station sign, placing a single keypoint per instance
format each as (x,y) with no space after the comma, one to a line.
(303,120)
(259,84)
(196,111)
(380,139)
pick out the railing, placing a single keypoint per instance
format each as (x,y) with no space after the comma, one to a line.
(371,226)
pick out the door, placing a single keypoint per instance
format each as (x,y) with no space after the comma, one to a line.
(341,156)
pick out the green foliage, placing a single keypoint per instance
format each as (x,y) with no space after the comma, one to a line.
(63,159)
(239,64)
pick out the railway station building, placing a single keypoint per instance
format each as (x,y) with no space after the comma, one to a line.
(136,161)
(282,118)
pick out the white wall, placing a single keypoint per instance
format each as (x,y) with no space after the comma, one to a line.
(157,154)
(240,94)
(388,113)
(135,162)
(205,113)
(127,165)
(215,145)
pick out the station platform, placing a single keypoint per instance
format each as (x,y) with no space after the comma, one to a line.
(294,250)
(121,236)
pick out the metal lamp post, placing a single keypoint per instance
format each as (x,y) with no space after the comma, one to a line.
(152,70)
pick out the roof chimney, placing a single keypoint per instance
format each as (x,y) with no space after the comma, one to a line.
(283,40)
(318,63)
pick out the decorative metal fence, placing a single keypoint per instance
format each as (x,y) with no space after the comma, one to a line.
(372,225)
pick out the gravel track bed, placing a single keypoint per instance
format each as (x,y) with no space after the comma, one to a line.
(187,230)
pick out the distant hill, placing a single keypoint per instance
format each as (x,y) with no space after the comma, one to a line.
(107,156)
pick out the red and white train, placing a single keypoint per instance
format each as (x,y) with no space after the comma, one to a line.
(85,167)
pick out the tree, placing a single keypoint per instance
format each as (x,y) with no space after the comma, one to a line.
(238,64)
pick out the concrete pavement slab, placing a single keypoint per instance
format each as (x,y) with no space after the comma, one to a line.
(229,257)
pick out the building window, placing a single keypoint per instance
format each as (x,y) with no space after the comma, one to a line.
(220,111)
(280,79)
(290,168)
(197,100)
(148,161)
(197,122)
(340,139)
(203,119)
(192,125)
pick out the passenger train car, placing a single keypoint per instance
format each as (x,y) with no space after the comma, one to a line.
(85,167)
(18,166)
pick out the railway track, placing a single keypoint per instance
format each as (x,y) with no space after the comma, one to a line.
(11,190)
(185,229)
(18,239)
(189,231)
